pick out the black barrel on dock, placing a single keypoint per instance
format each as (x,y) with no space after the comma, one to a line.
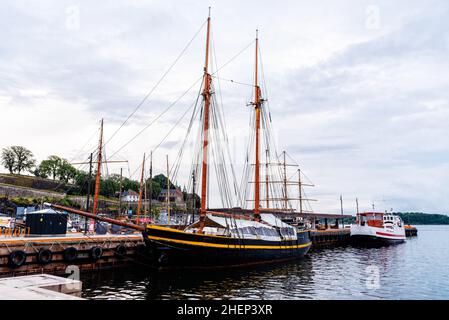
(47,222)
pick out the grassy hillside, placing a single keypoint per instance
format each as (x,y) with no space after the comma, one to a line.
(34,182)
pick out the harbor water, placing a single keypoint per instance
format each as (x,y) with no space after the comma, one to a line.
(417,269)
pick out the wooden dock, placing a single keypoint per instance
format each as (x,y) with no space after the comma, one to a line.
(32,255)
(330,237)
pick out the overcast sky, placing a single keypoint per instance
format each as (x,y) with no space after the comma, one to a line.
(358,90)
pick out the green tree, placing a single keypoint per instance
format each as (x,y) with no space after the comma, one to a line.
(80,181)
(8,159)
(155,188)
(18,159)
(49,167)
(66,172)
(24,159)
(129,184)
(56,168)
(110,185)
(162,181)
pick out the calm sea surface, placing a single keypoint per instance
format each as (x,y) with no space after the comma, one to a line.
(417,269)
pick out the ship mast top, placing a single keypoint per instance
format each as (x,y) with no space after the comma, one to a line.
(98,174)
(207,79)
(257,104)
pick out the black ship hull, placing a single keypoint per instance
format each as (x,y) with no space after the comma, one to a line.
(173,248)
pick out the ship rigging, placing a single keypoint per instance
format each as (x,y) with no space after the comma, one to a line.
(234,237)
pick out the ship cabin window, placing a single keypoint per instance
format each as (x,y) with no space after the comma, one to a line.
(287,232)
(265,232)
(271,232)
(249,230)
(374,217)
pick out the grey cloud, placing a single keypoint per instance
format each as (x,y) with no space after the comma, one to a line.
(375,109)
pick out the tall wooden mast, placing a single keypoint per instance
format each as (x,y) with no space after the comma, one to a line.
(120,194)
(267,189)
(139,204)
(300,190)
(284,164)
(168,192)
(151,184)
(257,105)
(206,96)
(97,178)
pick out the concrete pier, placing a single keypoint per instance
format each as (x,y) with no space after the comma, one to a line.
(40,287)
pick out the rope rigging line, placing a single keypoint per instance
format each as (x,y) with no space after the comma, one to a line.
(218,124)
(218,156)
(273,191)
(170,106)
(233,81)
(220,152)
(175,167)
(157,117)
(165,137)
(157,83)
(235,184)
(80,166)
(234,57)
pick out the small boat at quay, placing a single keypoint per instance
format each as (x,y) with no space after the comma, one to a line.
(377,228)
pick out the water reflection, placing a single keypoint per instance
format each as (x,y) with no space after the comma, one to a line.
(261,282)
(417,269)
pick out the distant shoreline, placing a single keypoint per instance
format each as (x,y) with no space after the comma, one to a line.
(420,218)
(419,225)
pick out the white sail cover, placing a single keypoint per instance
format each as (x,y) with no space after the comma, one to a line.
(43,211)
(287,230)
(268,229)
(236,223)
(272,220)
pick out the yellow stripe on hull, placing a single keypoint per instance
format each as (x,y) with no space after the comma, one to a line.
(155,227)
(229,246)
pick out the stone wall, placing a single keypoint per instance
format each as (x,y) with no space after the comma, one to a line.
(15,192)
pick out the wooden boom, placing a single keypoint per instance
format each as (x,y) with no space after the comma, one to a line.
(95,217)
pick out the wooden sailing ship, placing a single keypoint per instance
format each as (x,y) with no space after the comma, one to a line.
(218,237)
(224,239)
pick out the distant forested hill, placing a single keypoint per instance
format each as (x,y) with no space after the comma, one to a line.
(423,218)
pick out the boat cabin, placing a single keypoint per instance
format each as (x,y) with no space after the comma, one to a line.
(372,219)
(377,219)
